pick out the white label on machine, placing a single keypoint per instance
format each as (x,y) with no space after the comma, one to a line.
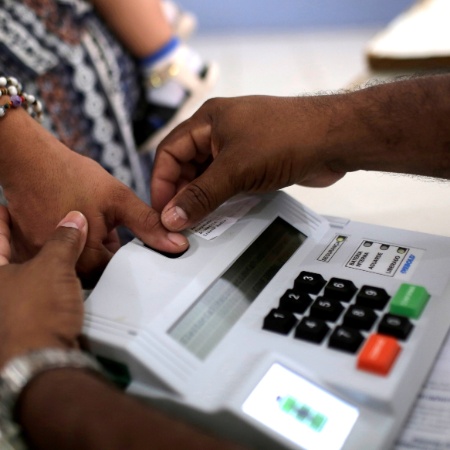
(332,248)
(224,217)
(385,259)
(300,410)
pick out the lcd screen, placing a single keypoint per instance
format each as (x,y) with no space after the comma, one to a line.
(300,411)
(208,320)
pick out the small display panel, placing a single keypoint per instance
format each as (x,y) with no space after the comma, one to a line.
(300,411)
(207,321)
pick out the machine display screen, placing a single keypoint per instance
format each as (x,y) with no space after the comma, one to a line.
(300,411)
(207,321)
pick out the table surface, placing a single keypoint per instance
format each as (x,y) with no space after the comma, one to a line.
(400,201)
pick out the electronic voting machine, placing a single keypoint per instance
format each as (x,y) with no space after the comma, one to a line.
(278,327)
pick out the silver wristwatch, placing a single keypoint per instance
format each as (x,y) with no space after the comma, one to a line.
(19,371)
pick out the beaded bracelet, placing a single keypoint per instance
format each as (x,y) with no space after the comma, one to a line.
(11,86)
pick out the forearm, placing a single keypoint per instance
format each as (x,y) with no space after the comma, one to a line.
(401,127)
(82,411)
(262,143)
(139,24)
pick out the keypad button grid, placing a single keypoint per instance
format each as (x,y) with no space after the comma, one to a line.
(349,319)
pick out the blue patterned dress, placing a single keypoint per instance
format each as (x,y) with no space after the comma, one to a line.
(88,83)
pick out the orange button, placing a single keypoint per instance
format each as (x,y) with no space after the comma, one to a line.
(378,354)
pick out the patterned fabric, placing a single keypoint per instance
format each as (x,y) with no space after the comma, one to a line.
(89,85)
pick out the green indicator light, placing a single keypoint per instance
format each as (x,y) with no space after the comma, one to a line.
(318,422)
(288,404)
(303,413)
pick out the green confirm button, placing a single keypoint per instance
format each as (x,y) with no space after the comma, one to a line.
(409,301)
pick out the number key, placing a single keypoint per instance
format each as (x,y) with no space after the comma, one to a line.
(326,309)
(309,282)
(340,289)
(360,317)
(312,330)
(279,321)
(295,301)
(396,326)
(372,297)
(346,339)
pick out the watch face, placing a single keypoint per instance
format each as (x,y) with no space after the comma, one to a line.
(19,371)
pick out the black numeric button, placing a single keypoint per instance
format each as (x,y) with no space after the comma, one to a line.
(295,301)
(326,309)
(346,339)
(312,330)
(279,321)
(372,297)
(360,317)
(309,282)
(340,289)
(396,326)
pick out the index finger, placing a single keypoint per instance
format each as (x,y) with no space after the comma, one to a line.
(5,236)
(176,157)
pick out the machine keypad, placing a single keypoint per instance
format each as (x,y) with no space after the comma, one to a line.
(345,318)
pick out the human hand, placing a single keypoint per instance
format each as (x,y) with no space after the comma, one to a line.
(41,301)
(244,144)
(43,180)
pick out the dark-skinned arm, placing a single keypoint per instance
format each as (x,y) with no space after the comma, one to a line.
(41,306)
(260,143)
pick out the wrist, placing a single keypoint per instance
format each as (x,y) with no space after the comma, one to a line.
(20,113)
(21,371)
(22,345)
(20,136)
(31,159)
(398,127)
(363,132)
(357,133)
(322,133)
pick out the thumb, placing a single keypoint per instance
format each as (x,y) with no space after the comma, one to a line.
(68,240)
(199,198)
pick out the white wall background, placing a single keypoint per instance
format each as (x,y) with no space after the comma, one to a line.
(259,15)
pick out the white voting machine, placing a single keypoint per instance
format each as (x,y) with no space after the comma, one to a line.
(278,327)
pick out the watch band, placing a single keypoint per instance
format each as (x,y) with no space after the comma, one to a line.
(10,437)
(19,371)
